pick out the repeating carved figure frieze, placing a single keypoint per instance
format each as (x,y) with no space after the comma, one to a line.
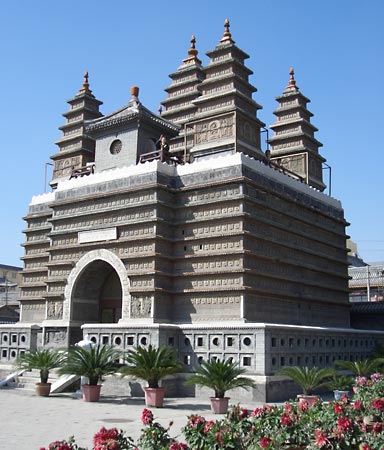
(138,231)
(210,195)
(109,219)
(103,204)
(38,223)
(36,237)
(56,242)
(34,278)
(36,250)
(66,256)
(135,249)
(54,310)
(200,213)
(213,230)
(228,281)
(297,143)
(217,246)
(138,283)
(212,300)
(33,306)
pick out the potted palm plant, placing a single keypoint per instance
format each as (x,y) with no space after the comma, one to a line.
(308,379)
(221,376)
(93,363)
(340,385)
(361,368)
(44,360)
(152,364)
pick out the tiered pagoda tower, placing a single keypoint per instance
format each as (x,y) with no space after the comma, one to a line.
(183,90)
(76,148)
(294,146)
(226,119)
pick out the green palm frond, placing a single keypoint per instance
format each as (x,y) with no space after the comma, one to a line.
(93,363)
(221,376)
(308,379)
(44,359)
(151,364)
(361,368)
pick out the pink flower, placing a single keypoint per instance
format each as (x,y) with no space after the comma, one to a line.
(288,408)
(265,441)
(258,412)
(219,438)
(286,420)
(303,406)
(243,413)
(358,405)
(361,381)
(146,416)
(208,425)
(178,446)
(376,377)
(320,438)
(378,403)
(338,409)
(344,424)
(365,447)
(377,427)
(194,421)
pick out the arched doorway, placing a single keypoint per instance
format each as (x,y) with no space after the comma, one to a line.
(97,294)
(97,291)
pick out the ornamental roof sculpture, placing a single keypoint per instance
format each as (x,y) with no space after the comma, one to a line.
(134,110)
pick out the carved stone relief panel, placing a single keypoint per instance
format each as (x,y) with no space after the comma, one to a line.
(54,310)
(141,307)
(55,337)
(212,130)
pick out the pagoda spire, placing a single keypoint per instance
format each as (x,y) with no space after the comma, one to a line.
(75,148)
(227,37)
(294,146)
(292,82)
(192,53)
(85,87)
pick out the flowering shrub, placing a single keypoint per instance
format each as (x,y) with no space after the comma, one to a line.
(63,445)
(112,439)
(336,425)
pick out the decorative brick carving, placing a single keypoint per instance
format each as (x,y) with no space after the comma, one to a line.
(141,307)
(54,310)
(55,337)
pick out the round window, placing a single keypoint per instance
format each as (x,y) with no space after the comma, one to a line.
(116,147)
(247,341)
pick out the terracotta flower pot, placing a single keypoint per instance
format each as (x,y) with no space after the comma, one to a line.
(154,396)
(310,399)
(219,405)
(91,393)
(43,389)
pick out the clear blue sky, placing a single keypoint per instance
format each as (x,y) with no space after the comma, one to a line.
(335,47)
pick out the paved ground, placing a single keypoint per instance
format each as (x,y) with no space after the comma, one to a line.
(29,422)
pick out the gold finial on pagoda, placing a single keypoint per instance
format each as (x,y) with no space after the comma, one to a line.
(85,88)
(227,37)
(192,53)
(292,82)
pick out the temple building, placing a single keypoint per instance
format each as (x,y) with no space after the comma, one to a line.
(176,228)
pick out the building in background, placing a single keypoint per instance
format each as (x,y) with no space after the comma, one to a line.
(10,280)
(177,229)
